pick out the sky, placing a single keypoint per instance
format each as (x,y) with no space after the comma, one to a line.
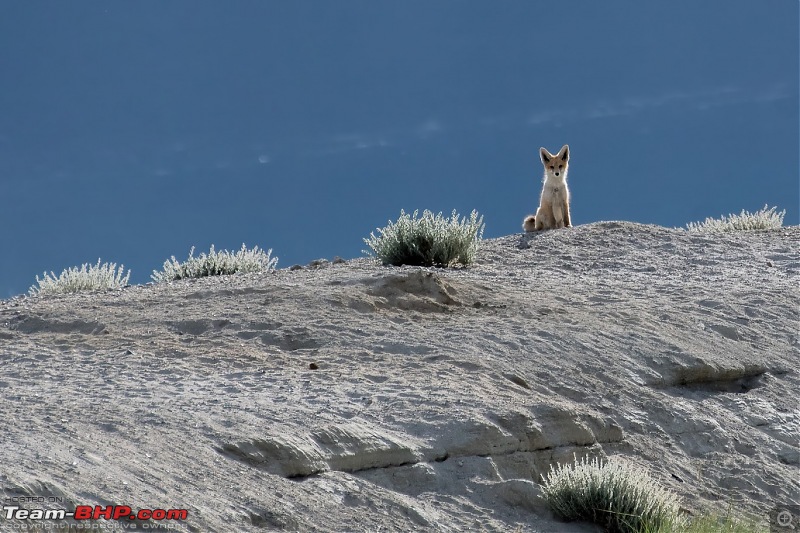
(132,131)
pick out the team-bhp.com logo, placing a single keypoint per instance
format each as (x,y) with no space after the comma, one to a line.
(96,512)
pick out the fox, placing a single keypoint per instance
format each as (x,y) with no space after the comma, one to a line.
(553,209)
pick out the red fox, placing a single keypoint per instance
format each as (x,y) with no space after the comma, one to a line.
(553,209)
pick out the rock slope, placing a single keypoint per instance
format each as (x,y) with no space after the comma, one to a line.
(357,397)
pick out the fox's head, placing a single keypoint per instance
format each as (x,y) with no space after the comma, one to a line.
(555,165)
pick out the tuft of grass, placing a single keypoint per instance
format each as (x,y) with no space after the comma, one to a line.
(216,264)
(87,278)
(429,240)
(614,496)
(764,218)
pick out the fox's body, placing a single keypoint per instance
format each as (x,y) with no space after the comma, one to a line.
(553,209)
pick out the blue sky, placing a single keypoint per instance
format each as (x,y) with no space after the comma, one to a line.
(131,131)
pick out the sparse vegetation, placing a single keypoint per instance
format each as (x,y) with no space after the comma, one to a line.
(721,523)
(764,218)
(612,495)
(87,278)
(216,264)
(430,240)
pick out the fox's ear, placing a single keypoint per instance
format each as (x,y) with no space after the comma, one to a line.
(545,155)
(564,153)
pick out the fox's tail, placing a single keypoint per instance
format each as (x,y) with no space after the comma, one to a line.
(529,224)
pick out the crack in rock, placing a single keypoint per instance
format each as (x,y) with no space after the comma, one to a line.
(347,448)
(355,447)
(714,376)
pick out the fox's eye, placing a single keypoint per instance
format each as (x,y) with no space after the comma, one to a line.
(551,167)
(560,166)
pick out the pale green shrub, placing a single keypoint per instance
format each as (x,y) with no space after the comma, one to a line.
(428,240)
(762,219)
(612,495)
(216,264)
(86,279)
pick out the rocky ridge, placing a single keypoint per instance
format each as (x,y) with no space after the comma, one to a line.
(349,396)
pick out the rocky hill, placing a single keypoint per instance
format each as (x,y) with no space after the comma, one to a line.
(357,397)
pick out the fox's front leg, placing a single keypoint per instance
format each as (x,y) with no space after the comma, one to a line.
(559,216)
(567,221)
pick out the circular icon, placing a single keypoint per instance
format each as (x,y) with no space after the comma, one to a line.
(784,519)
